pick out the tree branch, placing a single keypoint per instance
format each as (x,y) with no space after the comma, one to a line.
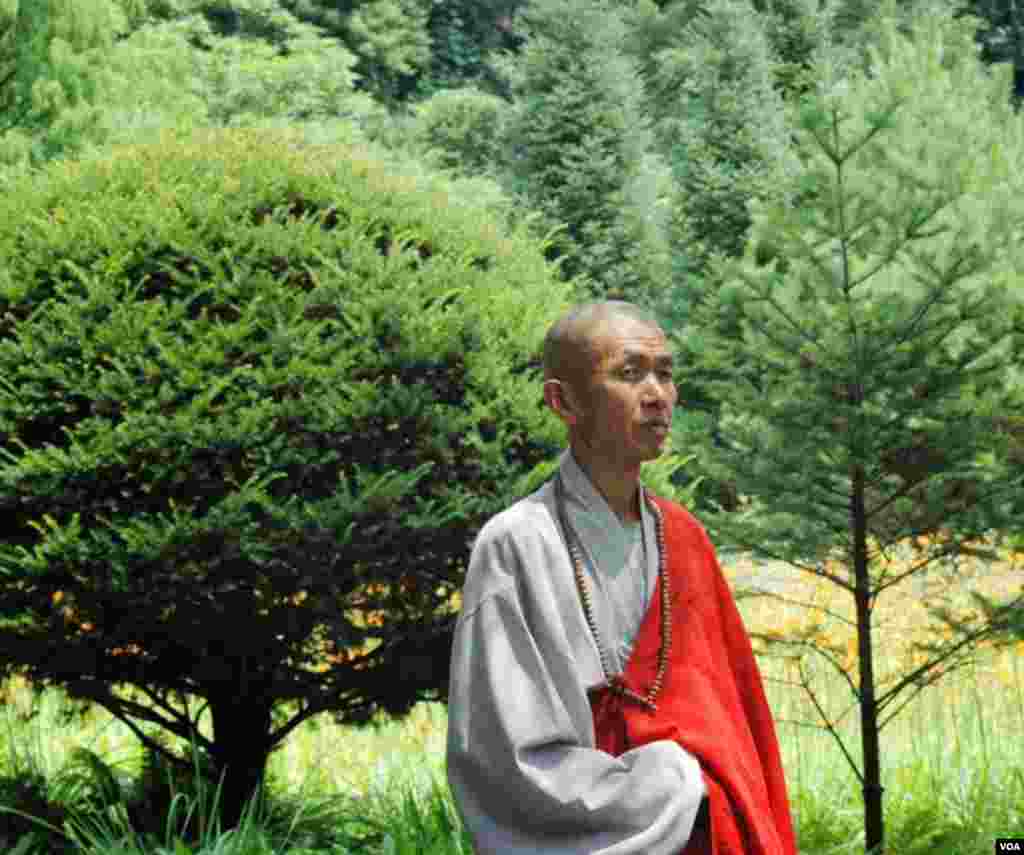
(795,602)
(157,699)
(310,710)
(763,328)
(814,648)
(821,651)
(821,484)
(759,550)
(895,579)
(921,672)
(119,706)
(918,688)
(828,724)
(114,706)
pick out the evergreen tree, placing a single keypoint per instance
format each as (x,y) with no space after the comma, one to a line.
(727,133)
(862,399)
(796,31)
(390,39)
(256,397)
(1001,36)
(655,31)
(41,77)
(577,146)
(463,34)
(24,45)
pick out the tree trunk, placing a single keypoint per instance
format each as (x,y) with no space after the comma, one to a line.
(873,817)
(241,725)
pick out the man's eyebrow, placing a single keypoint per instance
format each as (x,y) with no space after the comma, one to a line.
(639,356)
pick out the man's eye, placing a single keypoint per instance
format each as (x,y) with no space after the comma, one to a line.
(665,376)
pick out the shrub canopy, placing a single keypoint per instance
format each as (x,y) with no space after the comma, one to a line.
(256,396)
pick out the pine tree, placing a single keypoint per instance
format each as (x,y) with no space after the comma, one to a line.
(725,130)
(796,31)
(861,400)
(577,145)
(1001,35)
(463,33)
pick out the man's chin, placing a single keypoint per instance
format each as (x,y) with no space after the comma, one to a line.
(652,452)
(660,437)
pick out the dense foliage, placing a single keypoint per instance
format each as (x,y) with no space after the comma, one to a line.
(575,144)
(105,81)
(729,128)
(255,396)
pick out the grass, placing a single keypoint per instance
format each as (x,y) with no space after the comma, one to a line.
(952,760)
(953,772)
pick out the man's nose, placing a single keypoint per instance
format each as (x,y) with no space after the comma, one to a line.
(656,394)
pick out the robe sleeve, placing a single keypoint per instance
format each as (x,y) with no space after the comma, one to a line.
(519,763)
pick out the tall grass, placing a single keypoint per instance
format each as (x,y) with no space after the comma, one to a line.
(952,760)
(953,772)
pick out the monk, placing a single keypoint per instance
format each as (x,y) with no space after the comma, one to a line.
(604,696)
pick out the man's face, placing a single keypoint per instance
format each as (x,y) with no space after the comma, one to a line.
(626,407)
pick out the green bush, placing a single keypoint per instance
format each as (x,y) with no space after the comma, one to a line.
(462,129)
(256,397)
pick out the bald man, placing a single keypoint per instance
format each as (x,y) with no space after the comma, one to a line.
(604,697)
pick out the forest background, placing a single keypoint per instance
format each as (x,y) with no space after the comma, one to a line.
(637,138)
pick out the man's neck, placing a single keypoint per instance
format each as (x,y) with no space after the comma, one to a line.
(618,487)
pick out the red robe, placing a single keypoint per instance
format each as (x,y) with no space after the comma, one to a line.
(712,701)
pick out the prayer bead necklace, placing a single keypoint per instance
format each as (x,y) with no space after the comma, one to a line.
(615,683)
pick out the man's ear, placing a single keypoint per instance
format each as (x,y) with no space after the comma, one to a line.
(558,396)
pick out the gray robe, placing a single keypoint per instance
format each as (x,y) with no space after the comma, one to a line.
(522,765)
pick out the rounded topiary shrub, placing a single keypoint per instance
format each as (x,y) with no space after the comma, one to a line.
(256,397)
(461,129)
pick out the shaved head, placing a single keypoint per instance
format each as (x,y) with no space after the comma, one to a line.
(567,345)
(608,370)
